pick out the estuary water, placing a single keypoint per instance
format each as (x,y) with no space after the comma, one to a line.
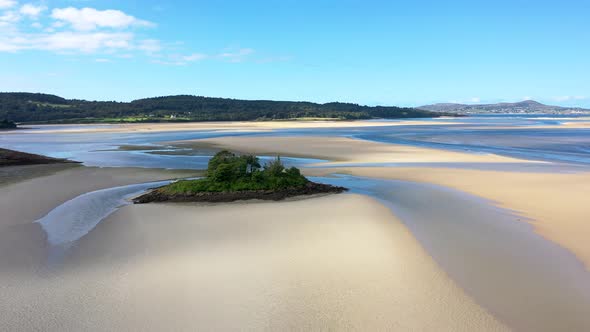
(509,135)
(494,257)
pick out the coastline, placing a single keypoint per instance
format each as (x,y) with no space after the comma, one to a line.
(234,126)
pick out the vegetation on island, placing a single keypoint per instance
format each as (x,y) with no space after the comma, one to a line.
(44,108)
(231,177)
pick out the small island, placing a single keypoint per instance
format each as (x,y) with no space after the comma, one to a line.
(231,178)
(17,158)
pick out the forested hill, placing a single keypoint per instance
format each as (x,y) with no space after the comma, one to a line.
(44,108)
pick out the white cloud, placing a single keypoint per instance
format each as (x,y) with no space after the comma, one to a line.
(7,3)
(104,34)
(181,60)
(87,19)
(10,17)
(31,10)
(72,30)
(194,57)
(150,46)
(68,41)
(236,56)
(475,100)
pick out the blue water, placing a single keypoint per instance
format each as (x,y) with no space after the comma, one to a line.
(75,218)
(478,134)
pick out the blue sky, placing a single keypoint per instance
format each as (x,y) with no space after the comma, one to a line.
(369,52)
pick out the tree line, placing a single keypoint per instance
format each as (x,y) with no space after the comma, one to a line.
(44,108)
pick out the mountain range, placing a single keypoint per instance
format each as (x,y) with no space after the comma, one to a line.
(527,106)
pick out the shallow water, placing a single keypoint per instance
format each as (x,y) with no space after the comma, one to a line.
(75,218)
(527,282)
(478,134)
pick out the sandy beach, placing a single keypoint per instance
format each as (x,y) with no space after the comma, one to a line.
(234,126)
(553,202)
(338,262)
(342,150)
(35,195)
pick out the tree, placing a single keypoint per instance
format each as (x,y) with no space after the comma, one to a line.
(222,157)
(274,167)
(225,173)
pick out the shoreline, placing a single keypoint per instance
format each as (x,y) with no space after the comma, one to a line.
(18,158)
(229,126)
(311,188)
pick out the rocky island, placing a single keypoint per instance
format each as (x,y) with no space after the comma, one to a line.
(17,158)
(231,178)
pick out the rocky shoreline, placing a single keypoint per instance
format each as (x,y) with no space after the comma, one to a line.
(17,158)
(311,188)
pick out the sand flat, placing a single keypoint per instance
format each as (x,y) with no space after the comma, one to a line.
(341,262)
(342,149)
(555,203)
(42,188)
(229,125)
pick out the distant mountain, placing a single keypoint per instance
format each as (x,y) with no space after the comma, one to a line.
(44,108)
(527,106)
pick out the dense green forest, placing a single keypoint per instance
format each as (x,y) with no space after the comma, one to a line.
(5,124)
(232,177)
(43,108)
(229,172)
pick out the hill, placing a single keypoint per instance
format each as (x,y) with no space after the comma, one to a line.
(43,108)
(527,106)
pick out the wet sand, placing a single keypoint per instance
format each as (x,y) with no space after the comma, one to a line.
(233,126)
(340,262)
(342,150)
(43,189)
(27,193)
(555,203)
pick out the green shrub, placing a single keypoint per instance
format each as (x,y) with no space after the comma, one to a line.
(227,171)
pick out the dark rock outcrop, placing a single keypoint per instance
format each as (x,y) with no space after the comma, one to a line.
(311,188)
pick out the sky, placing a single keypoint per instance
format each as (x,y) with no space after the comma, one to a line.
(405,53)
